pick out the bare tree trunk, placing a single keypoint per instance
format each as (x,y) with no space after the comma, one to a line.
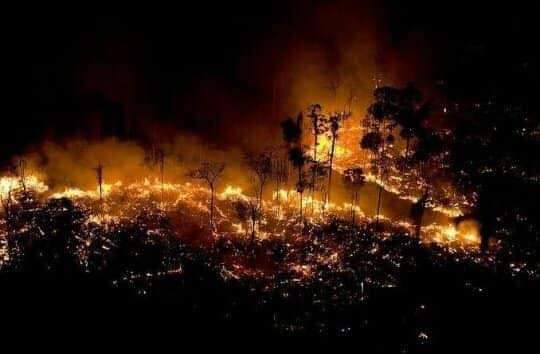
(331,166)
(22,174)
(99,175)
(212,206)
(301,193)
(253,222)
(6,203)
(355,201)
(260,195)
(379,200)
(277,190)
(352,209)
(278,199)
(315,170)
(301,207)
(379,197)
(260,204)
(162,173)
(418,228)
(407,148)
(424,199)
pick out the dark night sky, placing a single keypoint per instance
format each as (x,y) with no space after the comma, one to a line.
(150,63)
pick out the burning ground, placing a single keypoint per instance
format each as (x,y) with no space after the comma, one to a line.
(143,238)
(328,168)
(241,242)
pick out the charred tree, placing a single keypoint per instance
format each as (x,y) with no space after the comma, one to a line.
(209,172)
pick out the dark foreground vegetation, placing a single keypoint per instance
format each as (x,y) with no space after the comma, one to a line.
(67,275)
(64,275)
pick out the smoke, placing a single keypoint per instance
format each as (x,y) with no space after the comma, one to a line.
(72,163)
(130,103)
(130,79)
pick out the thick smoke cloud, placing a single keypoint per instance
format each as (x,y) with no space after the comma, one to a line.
(227,75)
(130,85)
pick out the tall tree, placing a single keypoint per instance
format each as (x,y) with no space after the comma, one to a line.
(292,135)
(292,131)
(209,171)
(380,122)
(280,173)
(298,159)
(241,210)
(248,212)
(334,123)
(411,114)
(428,148)
(21,171)
(392,107)
(160,160)
(261,166)
(417,213)
(99,178)
(318,126)
(354,180)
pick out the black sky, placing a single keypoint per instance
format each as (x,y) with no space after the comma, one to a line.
(150,62)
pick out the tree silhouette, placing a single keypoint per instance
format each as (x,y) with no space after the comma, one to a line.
(298,159)
(248,212)
(209,172)
(160,160)
(280,173)
(99,177)
(380,121)
(417,213)
(411,119)
(292,135)
(261,166)
(428,148)
(403,107)
(301,187)
(354,180)
(393,107)
(155,159)
(21,172)
(371,141)
(292,131)
(241,209)
(318,126)
(334,123)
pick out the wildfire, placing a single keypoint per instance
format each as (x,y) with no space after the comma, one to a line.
(405,184)
(284,204)
(76,193)
(232,192)
(9,184)
(465,234)
(279,222)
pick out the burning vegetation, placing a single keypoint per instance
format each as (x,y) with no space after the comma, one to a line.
(312,187)
(291,183)
(345,207)
(338,168)
(294,219)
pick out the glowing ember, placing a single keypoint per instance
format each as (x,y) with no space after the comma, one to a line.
(9,184)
